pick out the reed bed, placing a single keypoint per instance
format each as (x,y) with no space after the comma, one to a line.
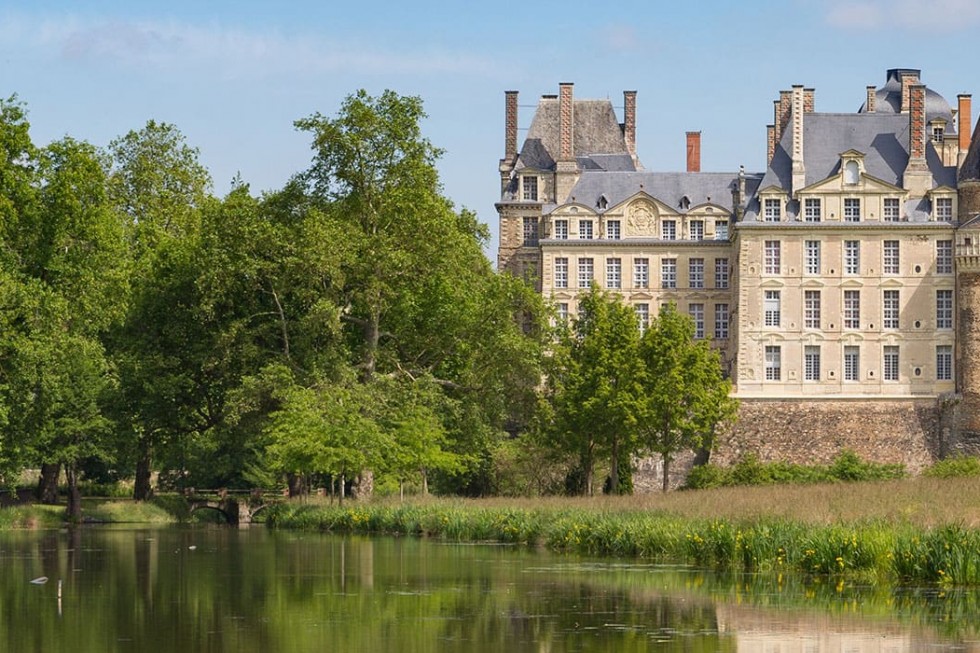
(882,531)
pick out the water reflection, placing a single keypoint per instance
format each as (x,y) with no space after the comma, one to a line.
(222,589)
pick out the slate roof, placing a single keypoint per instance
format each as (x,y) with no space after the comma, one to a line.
(598,141)
(668,187)
(882,138)
(888,99)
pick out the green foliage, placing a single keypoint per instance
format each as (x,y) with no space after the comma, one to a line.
(749,470)
(955,467)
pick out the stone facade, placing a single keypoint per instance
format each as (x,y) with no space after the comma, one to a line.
(841,284)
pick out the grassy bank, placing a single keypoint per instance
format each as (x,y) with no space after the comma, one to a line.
(919,530)
(94,510)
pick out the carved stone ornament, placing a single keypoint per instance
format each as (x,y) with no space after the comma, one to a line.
(641,218)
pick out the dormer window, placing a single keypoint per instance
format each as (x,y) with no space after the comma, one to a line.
(529,189)
(852,172)
(685,203)
(602,203)
(938,130)
(772,209)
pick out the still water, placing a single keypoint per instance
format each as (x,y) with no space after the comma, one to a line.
(224,589)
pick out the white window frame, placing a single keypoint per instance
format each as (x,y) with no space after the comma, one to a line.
(852,257)
(613,230)
(721,273)
(890,309)
(944,309)
(811,250)
(561,272)
(944,257)
(811,309)
(695,272)
(852,309)
(943,209)
(944,362)
(561,229)
(586,229)
(614,273)
(773,362)
(772,209)
(641,272)
(642,311)
(852,363)
(696,311)
(668,273)
(668,230)
(586,272)
(852,209)
(890,257)
(891,209)
(529,188)
(772,256)
(890,363)
(812,209)
(771,308)
(721,321)
(811,362)
(697,229)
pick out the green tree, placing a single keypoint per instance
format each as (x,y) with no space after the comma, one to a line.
(594,385)
(685,397)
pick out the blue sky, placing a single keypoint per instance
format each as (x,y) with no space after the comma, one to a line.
(233,76)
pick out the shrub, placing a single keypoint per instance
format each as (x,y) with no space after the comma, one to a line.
(957,466)
(707,476)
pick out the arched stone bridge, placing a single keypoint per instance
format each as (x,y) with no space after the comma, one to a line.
(239,507)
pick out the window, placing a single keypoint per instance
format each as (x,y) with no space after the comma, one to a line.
(770,308)
(811,363)
(811,309)
(851,172)
(890,257)
(585,229)
(772,257)
(811,252)
(668,230)
(530,188)
(890,363)
(721,229)
(944,257)
(614,273)
(585,272)
(721,321)
(811,209)
(890,210)
(696,311)
(668,273)
(852,209)
(641,272)
(773,363)
(944,309)
(561,272)
(852,309)
(944,209)
(561,229)
(852,256)
(852,362)
(695,269)
(697,229)
(612,229)
(889,310)
(772,210)
(642,316)
(530,231)
(944,362)
(563,312)
(937,134)
(721,273)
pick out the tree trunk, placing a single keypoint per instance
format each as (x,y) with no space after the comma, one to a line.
(74,494)
(295,485)
(425,484)
(372,336)
(47,486)
(666,472)
(614,471)
(343,489)
(589,471)
(141,487)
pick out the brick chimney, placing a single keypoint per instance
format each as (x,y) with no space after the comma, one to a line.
(510,125)
(777,133)
(964,115)
(796,112)
(908,79)
(566,118)
(808,100)
(629,121)
(770,142)
(785,106)
(869,104)
(694,151)
(917,178)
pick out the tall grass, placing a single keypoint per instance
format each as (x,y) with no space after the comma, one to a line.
(888,539)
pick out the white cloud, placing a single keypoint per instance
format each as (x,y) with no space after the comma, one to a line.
(227,52)
(905,14)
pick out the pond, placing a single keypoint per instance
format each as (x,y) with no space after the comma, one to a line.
(251,589)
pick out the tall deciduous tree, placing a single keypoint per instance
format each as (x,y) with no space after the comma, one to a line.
(685,398)
(594,385)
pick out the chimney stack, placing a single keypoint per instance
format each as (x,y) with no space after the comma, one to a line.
(510,125)
(770,142)
(917,178)
(808,100)
(566,117)
(869,104)
(796,110)
(785,109)
(694,151)
(964,116)
(776,131)
(908,79)
(629,121)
